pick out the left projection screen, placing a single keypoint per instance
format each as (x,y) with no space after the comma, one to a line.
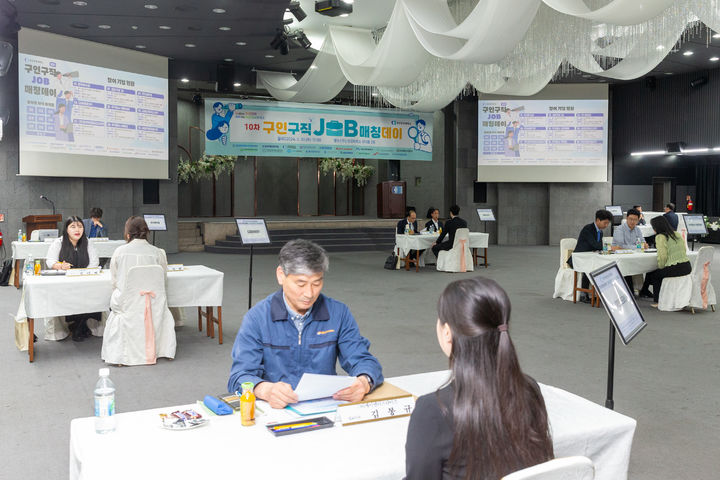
(91,110)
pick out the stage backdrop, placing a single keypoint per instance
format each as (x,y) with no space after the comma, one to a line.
(278,129)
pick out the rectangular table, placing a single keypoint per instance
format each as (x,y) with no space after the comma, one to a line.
(407,243)
(140,448)
(56,296)
(628,263)
(20,251)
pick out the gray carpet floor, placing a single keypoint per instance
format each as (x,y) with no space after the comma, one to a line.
(668,378)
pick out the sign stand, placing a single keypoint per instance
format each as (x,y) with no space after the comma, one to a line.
(625,315)
(253,231)
(156,223)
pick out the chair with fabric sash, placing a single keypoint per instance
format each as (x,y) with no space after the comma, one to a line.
(458,258)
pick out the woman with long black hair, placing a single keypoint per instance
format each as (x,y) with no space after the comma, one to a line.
(489,420)
(73,250)
(671,257)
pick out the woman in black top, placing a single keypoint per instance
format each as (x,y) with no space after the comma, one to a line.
(433,225)
(490,419)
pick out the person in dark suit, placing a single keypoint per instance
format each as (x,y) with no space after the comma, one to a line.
(434,224)
(671,216)
(590,240)
(409,222)
(451,227)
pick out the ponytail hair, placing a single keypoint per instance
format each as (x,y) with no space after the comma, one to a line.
(500,422)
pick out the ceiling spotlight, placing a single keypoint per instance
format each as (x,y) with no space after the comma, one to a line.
(269,56)
(104,27)
(79,3)
(313,67)
(224,29)
(280,41)
(237,84)
(218,10)
(302,39)
(134,27)
(164,27)
(150,6)
(659,47)
(43,25)
(184,80)
(687,53)
(241,44)
(333,8)
(228,59)
(296,11)
(714,59)
(190,45)
(140,46)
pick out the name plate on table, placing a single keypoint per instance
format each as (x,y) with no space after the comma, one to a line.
(371,411)
(176,267)
(99,239)
(81,272)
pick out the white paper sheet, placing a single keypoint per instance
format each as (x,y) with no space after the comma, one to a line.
(314,407)
(313,385)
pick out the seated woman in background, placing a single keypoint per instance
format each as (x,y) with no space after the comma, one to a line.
(72,250)
(489,420)
(434,224)
(671,257)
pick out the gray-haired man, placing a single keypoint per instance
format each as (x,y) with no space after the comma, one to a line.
(298,330)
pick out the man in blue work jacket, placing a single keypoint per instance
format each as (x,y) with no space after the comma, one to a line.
(298,330)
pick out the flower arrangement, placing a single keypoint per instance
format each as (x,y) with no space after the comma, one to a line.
(348,169)
(714,226)
(205,167)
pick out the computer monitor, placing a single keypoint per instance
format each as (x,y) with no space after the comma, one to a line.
(618,301)
(695,225)
(155,222)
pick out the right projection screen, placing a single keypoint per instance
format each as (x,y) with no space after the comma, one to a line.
(558,135)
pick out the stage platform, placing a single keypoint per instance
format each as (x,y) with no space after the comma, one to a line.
(335,234)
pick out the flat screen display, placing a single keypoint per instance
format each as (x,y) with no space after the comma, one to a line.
(618,301)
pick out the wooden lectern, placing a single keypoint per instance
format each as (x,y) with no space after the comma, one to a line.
(40,222)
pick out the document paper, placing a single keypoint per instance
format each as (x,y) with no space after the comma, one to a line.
(313,385)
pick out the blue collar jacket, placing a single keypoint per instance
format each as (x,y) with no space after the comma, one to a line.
(268,346)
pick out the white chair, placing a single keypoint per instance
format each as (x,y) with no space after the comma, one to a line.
(675,293)
(140,327)
(568,468)
(458,258)
(565,276)
(703,293)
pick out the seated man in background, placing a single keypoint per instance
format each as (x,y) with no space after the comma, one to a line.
(671,216)
(627,236)
(298,330)
(642,217)
(434,224)
(93,226)
(590,240)
(409,222)
(451,227)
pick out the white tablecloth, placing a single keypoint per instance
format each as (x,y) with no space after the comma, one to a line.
(55,296)
(424,241)
(628,263)
(139,448)
(20,250)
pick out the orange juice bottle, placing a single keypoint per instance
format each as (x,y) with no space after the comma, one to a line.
(247,404)
(37,267)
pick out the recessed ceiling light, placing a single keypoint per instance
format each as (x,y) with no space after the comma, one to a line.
(104,27)
(717,35)
(344,15)
(668,73)
(190,45)
(228,59)
(164,27)
(151,6)
(687,53)
(43,25)
(79,3)
(241,44)
(134,27)
(269,56)
(313,67)
(374,94)
(659,47)
(237,84)
(184,80)
(218,10)
(224,29)
(140,46)
(714,59)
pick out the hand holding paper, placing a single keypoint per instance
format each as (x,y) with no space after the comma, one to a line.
(313,385)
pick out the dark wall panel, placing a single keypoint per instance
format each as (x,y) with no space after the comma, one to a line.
(277,186)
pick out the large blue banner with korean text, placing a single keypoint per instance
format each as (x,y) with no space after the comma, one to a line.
(279,129)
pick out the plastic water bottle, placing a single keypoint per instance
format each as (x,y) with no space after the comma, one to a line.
(638,244)
(104,403)
(29,266)
(407,228)
(19,235)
